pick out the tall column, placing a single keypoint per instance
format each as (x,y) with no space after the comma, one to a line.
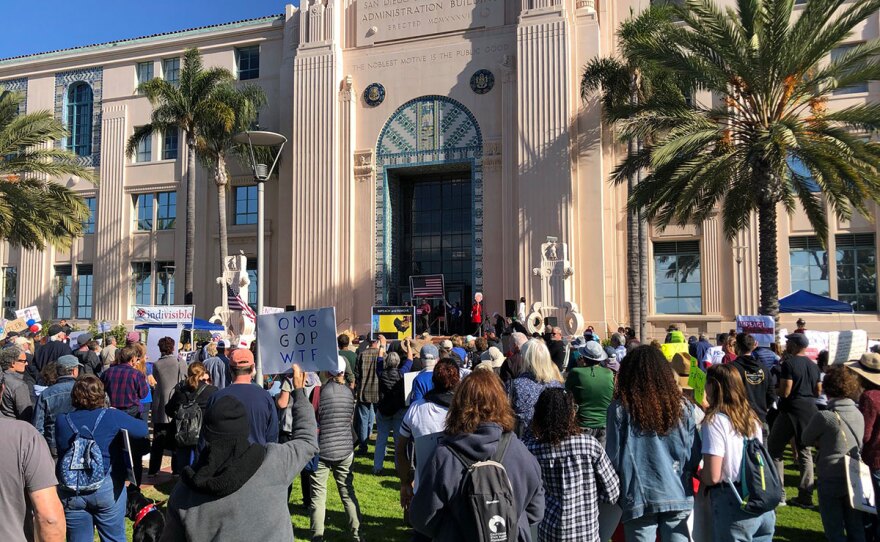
(34,278)
(514,279)
(111,276)
(316,160)
(711,265)
(345,303)
(544,184)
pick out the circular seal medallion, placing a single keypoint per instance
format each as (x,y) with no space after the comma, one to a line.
(374,94)
(482,81)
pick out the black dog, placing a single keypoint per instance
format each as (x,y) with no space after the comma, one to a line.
(148,518)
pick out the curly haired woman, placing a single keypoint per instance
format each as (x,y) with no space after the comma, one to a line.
(653,444)
(575,468)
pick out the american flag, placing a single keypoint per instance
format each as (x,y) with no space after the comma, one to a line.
(426,285)
(235,303)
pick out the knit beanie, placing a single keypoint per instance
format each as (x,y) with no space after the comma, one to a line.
(226,419)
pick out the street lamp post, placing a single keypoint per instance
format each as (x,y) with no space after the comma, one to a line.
(261,172)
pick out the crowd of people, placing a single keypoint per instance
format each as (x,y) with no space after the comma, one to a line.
(499,436)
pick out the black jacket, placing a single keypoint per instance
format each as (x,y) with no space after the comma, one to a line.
(759,384)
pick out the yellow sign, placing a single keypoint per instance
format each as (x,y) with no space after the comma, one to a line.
(671,349)
(394,323)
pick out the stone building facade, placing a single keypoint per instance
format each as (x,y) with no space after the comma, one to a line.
(424,137)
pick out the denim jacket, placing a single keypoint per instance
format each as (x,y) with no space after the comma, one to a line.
(656,472)
(54,401)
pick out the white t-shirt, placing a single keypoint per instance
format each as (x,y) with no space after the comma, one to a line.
(721,440)
(423,418)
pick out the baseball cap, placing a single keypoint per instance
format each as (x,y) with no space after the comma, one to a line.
(221,344)
(241,357)
(68,362)
(84,338)
(799,339)
(429,351)
(340,365)
(55,329)
(446,344)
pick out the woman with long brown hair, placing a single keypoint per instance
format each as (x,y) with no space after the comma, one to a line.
(478,427)
(196,389)
(728,421)
(651,441)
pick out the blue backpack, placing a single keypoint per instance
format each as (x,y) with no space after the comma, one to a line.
(81,469)
(761,486)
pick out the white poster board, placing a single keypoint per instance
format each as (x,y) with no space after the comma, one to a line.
(761,327)
(847,345)
(306,338)
(156,333)
(29,313)
(408,379)
(715,355)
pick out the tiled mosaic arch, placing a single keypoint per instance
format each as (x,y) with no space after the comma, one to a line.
(94,77)
(426,131)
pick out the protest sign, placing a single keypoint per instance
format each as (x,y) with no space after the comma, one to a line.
(408,380)
(671,349)
(395,323)
(271,310)
(847,345)
(761,327)
(29,313)
(18,325)
(156,333)
(715,356)
(697,380)
(104,327)
(164,314)
(307,338)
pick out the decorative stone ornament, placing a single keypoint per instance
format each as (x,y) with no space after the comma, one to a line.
(374,94)
(482,81)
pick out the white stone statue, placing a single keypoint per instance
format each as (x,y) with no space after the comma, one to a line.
(239,327)
(554,274)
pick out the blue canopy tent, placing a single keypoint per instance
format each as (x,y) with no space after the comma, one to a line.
(199,324)
(804,301)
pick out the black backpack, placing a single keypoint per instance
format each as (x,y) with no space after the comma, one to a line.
(188,420)
(488,497)
(759,482)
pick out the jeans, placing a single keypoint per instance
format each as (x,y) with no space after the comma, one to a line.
(840,522)
(673,527)
(365,416)
(386,424)
(780,435)
(731,524)
(344,478)
(102,509)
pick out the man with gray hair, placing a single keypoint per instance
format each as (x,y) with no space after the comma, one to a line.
(108,353)
(55,400)
(15,403)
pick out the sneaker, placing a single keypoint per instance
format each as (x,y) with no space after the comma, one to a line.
(802,502)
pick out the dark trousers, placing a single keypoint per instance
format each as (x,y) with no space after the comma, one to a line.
(163,439)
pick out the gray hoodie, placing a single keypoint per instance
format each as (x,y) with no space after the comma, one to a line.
(824,432)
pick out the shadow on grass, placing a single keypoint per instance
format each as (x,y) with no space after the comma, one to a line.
(794,534)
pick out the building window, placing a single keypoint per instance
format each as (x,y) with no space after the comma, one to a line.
(252,287)
(164,283)
(144,205)
(166,210)
(79,119)
(144,72)
(248,62)
(89,225)
(145,149)
(245,205)
(857,271)
(84,292)
(677,286)
(141,283)
(63,293)
(10,292)
(169,145)
(171,70)
(837,54)
(809,265)
(797,167)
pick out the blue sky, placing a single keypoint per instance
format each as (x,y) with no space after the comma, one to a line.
(35,26)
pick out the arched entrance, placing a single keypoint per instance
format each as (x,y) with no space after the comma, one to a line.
(429,199)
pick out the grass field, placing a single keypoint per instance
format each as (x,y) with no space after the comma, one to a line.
(382,517)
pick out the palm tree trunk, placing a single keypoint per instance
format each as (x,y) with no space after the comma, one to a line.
(220,179)
(189,256)
(643,274)
(768,266)
(632,247)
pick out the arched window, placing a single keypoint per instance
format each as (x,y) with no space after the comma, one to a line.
(79,119)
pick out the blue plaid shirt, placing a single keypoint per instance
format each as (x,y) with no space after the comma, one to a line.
(125,385)
(576,473)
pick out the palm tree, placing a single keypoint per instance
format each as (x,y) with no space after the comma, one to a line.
(768,69)
(35,211)
(216,145)
(189,106)
(624,82)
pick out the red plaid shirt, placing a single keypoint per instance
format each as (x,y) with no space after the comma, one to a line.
(125,385)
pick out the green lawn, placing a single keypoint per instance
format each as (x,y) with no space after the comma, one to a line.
(383,520)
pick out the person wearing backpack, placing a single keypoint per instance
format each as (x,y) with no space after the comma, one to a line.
(837,432)
(479,457)
(187,408)
(92,463)
(732,433)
